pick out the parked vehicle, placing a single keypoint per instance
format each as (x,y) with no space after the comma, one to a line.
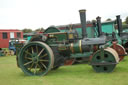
(51,50)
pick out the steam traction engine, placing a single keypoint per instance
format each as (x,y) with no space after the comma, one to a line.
(113,38)
(50,50)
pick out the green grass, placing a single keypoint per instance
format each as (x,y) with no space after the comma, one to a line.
(82,74)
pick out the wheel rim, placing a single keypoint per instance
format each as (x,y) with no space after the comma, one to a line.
(126,46)
(36,58)
(120,50)
(110,56)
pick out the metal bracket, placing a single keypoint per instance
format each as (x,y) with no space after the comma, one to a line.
(104,63)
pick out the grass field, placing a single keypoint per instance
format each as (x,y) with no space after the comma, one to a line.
(82,74)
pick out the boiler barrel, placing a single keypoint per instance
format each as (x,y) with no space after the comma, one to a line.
(79,48)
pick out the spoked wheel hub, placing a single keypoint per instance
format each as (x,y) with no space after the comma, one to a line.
(36,58)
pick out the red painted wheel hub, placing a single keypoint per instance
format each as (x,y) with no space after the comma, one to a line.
(120,50)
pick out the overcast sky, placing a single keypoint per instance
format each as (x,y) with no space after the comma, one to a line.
(20,14)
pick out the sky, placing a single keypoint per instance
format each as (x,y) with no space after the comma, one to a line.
(20,14)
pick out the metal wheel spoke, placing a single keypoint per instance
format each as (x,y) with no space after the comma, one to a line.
(31,66)
(28,58)
(35,69)
(36,49)
(39,65)
(32,49)
(28,53)
(44,60)
(27,63)
(43,65)
(44,55)
(40,52)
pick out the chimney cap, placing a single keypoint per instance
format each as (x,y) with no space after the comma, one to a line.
(98,18)
(117,15)
(82,10)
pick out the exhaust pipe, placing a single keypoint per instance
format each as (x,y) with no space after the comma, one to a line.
(83,22)
(119,24)
(99,26)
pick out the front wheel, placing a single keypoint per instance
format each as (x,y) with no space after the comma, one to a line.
(104,60)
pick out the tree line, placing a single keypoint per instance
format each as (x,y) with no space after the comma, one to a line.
(125,22)
(28,30)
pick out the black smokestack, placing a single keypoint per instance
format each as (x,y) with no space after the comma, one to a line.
(83,22)
(119,24)
(99,26)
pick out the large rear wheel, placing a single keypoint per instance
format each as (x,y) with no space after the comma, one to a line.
(36,58)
